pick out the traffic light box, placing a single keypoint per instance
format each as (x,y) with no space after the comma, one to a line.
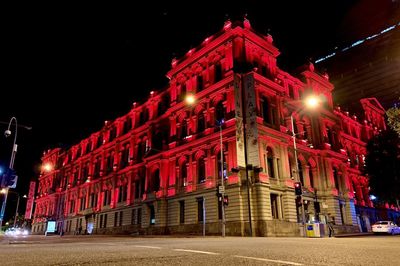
(226,200)
(297,188)
(9,179)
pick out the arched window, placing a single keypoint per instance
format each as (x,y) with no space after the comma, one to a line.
(124,156)
(300,173)
(183,174)
(224,166)
(156,181)
(310,175)
(201,123)
(270,163)
(201,170)
(291,167)
(265,110)
(110,163)
(97,166)
(220,111)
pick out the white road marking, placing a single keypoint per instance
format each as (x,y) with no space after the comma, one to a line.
(196,251)
(269,260)
(147,247)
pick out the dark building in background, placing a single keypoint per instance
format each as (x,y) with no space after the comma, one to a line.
(367,65)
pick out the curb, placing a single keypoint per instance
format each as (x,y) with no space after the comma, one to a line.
(354,235)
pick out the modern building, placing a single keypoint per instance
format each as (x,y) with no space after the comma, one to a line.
(156,170)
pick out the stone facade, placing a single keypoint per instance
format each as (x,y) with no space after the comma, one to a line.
(156,169)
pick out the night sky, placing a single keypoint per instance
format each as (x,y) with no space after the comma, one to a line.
(67,69)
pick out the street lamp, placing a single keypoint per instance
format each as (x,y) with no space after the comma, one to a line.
(311,102)
(222,187)
(8,133)
(190,100)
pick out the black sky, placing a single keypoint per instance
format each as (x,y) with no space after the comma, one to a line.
(66,69)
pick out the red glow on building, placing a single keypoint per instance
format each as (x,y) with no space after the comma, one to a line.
(163,157)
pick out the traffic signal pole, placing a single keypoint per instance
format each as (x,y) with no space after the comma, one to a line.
(303,216)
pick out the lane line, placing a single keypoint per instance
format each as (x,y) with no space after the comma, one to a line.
(196,251)
(147,247)
(269,260)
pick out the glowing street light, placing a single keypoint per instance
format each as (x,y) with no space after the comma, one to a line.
(47,167)
(311,102)
(190,99)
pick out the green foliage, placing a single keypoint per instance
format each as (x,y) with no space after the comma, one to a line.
(393,115)
(383,166)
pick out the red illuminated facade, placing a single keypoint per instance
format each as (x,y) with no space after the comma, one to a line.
(156,169)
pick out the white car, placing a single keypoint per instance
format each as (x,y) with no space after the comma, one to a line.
(387,227)
(16,232)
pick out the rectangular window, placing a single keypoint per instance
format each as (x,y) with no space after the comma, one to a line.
(105,220)
(278,164)
(137,189)
(72,208)
(152,215)
(274,206)
(139,216)
(115,219)
(121,213)
(182,212)
(107,198)
(101,221)
(342,213)
(83,204)
(200,209)
(133,217)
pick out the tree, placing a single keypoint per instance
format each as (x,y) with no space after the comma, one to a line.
(383,166)
(393,115)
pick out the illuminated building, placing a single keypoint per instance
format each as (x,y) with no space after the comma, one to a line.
(156,169)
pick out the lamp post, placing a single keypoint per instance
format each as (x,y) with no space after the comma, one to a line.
(8,133)
(14,151)
(190,100)
(311,102)
(222,190)
(303,216)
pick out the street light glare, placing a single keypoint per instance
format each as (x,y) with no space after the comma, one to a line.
(312,102)
(3,191)
(190,99)
(47,167)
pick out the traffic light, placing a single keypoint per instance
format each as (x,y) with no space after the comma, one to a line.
(298,201)
(9,179)
(226,200)
(297,188)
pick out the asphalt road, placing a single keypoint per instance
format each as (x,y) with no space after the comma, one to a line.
(104,250)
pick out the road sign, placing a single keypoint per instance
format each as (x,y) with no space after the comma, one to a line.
(221,189)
